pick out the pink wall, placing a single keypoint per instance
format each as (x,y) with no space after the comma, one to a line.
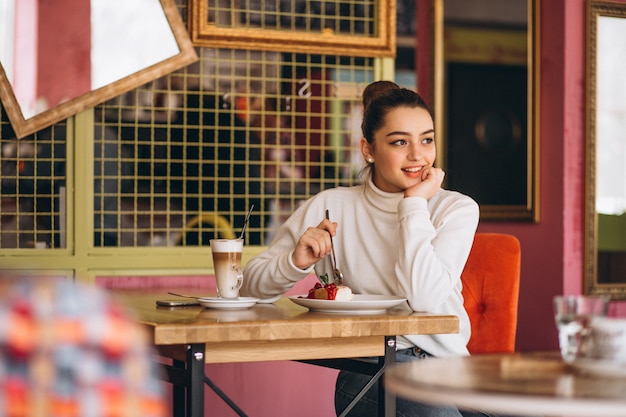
(56,80)
(552,249)
(24,80)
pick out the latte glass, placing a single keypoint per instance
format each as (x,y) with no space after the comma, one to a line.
(227,264)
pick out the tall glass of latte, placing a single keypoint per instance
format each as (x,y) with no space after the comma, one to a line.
(227,265)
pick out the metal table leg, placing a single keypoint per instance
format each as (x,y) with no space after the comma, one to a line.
(195,382)
(386,400)
(178,389)
(187,378)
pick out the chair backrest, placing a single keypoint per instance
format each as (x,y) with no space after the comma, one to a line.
(491,291)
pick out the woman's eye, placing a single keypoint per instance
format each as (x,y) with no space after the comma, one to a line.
(428,140)
(399,142)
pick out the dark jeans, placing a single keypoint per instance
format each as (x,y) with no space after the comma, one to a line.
(349,384)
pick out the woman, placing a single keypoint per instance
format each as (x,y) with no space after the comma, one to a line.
(398,234)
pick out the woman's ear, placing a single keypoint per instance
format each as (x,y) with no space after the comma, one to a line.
(366,151)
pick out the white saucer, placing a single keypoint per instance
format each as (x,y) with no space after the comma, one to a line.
(225,304)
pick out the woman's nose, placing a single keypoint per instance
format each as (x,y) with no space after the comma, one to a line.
(415,153)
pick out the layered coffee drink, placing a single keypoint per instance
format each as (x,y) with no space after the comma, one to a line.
(227,266)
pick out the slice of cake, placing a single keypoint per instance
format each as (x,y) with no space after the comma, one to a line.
(330,292)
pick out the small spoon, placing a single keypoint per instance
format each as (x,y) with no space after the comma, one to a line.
(183,295)
(337,275)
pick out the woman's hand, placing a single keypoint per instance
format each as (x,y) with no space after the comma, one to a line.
(314,244)
(432,178)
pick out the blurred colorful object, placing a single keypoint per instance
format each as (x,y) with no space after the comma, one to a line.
(67,350)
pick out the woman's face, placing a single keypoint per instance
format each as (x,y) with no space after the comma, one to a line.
(402,148)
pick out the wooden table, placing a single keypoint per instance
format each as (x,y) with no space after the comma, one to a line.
(193,336)
(514,384)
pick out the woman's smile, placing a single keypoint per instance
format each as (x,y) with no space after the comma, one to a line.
(414,171)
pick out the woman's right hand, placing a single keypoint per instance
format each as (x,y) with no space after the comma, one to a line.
(314,244)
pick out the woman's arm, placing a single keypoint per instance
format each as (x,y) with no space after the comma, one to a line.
(436,242)
(296,248)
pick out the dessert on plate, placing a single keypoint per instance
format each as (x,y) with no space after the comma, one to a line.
(330,291)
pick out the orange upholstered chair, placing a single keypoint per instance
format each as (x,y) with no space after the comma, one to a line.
(491,289)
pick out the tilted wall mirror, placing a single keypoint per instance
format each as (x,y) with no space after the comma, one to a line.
(605,176)
(485,100)
(60,58)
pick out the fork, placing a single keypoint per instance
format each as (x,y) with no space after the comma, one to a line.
(337,275)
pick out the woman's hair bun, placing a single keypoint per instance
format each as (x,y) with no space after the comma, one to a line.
(375,89)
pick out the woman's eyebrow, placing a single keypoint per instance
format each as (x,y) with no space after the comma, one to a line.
(400,132)
(397,132)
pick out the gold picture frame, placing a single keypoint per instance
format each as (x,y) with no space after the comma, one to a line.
(235,29)
(605,210)
(520,203)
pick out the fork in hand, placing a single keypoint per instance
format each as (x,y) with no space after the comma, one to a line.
(337,275)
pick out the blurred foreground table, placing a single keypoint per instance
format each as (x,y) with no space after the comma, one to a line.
(514,384)
(193,336)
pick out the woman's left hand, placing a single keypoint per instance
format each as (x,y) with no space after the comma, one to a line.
(432,178)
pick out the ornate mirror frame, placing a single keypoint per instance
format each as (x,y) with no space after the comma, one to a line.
(527,209)
(605,201)
(23,126)
(246,35)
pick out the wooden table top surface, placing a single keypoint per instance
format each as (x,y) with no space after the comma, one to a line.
(282,320)
(538,383)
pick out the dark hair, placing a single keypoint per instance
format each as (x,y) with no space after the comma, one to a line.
(375,89)
(379,98)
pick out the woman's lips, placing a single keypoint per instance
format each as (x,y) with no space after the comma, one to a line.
(413,171)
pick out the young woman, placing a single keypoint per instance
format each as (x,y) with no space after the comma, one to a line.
(399,233)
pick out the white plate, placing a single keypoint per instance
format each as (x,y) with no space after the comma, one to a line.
(600,367)
(362,304)
(221,303)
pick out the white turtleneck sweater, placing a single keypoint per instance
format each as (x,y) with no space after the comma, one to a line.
(387,245)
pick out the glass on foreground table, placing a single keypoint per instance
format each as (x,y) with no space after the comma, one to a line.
(573,315)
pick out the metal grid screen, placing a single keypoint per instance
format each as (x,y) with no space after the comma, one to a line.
(348,17)
(182,159)
(32,188)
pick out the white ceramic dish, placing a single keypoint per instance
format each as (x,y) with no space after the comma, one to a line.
(607,339)
(224,304)
(603,349)
(360,304)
